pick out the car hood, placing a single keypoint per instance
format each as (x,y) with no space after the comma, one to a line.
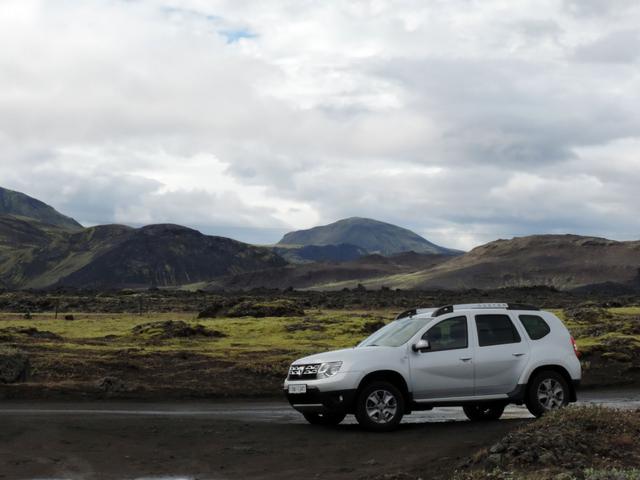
(349,357)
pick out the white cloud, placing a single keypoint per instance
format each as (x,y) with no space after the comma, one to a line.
(465,121)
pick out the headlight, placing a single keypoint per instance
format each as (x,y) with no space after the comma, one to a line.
(329,369)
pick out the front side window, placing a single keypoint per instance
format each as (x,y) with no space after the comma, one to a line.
(496,330)
(535,326)
(449,334)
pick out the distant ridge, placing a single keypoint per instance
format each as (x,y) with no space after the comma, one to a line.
(372,235)
(21,205)
(564,262)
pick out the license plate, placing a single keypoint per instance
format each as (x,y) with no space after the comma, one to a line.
(297,389)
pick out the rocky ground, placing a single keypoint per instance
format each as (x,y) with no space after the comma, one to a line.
(136,301)
(577,442)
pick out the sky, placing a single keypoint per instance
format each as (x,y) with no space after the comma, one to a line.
(465,121)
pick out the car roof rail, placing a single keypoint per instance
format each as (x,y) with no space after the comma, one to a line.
(479,306)
(522,306)
(407,313)
(413,312)
(443,310)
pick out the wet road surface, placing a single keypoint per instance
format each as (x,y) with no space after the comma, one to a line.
(273,411)
(236,440)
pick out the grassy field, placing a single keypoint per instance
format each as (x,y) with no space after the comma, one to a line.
(93,346)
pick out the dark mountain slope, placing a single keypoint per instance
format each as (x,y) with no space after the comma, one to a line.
(35,255)
(320,253)
(169,255)
(19,204)
(371,235)
(323,274)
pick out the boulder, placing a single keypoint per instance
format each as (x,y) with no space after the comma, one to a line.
(111,385)
(14,366)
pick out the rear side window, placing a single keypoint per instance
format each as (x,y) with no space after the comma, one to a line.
(496,330)
(535,326)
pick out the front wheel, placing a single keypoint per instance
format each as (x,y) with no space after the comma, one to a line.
(380,407)
(324,418)
(547,391)
(484,411)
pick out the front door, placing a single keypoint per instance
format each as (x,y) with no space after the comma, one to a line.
(445,370)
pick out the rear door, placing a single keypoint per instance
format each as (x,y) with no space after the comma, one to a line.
(501,355)
(446,368)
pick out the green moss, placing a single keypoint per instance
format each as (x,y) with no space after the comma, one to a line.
(260,344)
(625,310)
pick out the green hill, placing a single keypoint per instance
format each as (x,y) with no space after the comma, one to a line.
(372,235)
(21,205)
(41,248)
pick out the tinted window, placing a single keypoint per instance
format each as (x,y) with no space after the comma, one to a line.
(449,334)
(535,326)
(496,330)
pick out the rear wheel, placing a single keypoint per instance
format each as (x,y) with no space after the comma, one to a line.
(324,418)
(547,391)
(484,411)
(380,406)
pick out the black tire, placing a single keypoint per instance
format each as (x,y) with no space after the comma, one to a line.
(379,406)
(548,390)
(484,411)
(324,418)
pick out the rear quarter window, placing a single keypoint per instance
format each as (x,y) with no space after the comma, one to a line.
(535,326)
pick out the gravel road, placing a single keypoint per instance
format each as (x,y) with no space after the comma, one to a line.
(236,440)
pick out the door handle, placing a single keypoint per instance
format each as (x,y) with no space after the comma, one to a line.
(517,354)
(465,359)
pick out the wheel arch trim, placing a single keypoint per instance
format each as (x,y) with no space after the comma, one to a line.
(558,369)
(392,376)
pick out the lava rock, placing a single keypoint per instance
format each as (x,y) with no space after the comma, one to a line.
(174,329)
(260,309)
(14,366)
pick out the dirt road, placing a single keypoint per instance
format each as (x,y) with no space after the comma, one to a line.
(234,440)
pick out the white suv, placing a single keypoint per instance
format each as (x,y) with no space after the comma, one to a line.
(481,357)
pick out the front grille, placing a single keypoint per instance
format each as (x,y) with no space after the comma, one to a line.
(303,372)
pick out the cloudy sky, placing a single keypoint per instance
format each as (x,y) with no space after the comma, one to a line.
(464,120)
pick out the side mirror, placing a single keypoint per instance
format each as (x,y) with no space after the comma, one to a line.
(421,345)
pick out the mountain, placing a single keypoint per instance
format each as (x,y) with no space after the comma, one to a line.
(371,235)
(41,248)
(560,261)
(21,205)
(342,252)
(170,255)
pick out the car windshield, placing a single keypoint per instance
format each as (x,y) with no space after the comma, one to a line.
(396,333)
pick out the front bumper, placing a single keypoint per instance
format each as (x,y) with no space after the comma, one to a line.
(339,401)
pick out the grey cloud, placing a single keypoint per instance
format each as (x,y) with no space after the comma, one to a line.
(514,112)
(590,8)
(466,123)
(616,47)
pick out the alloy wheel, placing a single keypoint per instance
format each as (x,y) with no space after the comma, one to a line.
(550,394)
(381,406)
